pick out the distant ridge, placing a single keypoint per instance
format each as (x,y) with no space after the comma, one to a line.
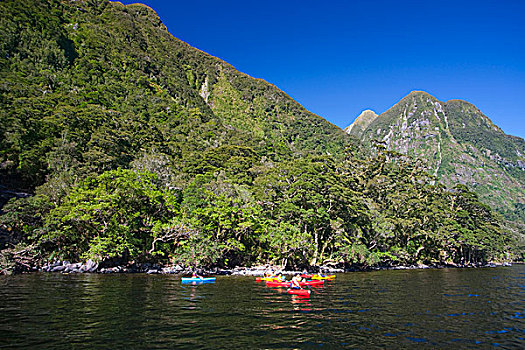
(459,144)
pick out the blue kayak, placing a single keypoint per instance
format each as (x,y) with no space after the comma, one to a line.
(198,279)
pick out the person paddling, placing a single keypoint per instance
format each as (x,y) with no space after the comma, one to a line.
(194,275)
(295,282)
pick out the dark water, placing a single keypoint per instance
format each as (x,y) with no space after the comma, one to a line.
(456,308)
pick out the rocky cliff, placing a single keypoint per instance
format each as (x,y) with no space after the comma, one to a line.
(361,123)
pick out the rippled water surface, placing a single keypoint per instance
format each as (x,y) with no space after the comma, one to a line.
(457,308)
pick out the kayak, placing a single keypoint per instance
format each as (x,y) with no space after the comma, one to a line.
(311,283)
(278,284)
(319,277)
(300,292)
(287,284)
(306,276)
(260,279)
(198,279)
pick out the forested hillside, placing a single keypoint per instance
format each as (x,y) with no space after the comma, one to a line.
(135,145)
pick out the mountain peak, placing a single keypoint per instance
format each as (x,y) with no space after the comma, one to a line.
(458,144)
(361,122)
(419,92)
(421,95)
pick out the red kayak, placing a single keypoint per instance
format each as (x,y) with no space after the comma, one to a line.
(277,284)
(311,283)
(288,284)
(300,292)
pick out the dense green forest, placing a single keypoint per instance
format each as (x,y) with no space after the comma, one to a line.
(135,145)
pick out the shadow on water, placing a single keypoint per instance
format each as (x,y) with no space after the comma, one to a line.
(407,308)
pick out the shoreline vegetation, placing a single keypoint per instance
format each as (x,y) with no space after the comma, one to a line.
(137,147)
(90,266)
(468,240)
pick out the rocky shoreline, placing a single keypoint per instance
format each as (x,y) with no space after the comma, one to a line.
(90,266)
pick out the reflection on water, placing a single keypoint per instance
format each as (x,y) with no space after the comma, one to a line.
(437,308)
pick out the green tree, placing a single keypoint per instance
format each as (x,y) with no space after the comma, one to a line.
(120,213)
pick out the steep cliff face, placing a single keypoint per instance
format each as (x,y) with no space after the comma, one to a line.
(459,144)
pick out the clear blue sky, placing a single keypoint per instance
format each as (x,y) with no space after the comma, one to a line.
(338,58)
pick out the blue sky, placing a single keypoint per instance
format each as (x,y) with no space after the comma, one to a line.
(338,58)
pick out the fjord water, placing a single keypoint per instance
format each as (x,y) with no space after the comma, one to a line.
(460,308)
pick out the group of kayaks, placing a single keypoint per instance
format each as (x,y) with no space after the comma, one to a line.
(308,280)
(275,281)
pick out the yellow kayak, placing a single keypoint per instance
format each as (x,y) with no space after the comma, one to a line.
(323,277)
(259,279)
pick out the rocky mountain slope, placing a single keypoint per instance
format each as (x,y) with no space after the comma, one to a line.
(361,123)
(458,143)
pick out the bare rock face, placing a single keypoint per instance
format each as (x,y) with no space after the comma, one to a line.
(458,144)
(361,123)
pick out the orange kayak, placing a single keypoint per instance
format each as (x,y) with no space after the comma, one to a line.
(287,284)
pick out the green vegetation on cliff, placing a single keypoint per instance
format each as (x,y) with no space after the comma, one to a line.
(138,146)
(460,145)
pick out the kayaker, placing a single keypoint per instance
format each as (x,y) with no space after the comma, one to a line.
(194,275)
(295,282)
